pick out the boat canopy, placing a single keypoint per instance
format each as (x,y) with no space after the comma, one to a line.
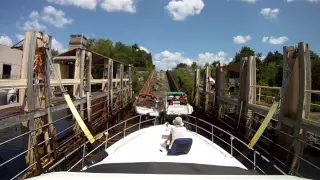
(175,93)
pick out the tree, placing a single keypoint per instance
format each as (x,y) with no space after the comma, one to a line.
(135,46)
(124,53)
(194,66)
(182,65)
(214,64)
(54,52)
(244,52)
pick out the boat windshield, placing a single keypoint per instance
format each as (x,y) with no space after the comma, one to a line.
(178,99)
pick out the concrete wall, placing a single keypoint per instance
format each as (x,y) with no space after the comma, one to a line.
(11,57)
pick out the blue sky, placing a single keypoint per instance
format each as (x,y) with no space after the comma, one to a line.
(173,31)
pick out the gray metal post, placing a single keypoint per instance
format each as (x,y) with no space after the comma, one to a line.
(125,127)
(254,160)
(83,154)
(212,134)
(106,143)
(231,144)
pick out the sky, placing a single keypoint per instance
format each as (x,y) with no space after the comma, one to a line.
(174,31)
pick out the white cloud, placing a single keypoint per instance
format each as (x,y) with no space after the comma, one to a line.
(211,57)
(49,15)
(86,4)
(5,40)
(310,1)
(269,13)
(34,15)
(313,1)
(119,5)
(265,39)
(249,1)
(58,46)
(144,49)
(33,25)
(241,39)
(19,37)
(181,9)
(55,17)
(168,60)
(273,40)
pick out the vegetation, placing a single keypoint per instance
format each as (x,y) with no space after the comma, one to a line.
(269,71)
(129,54)
(181,75)
(140,60)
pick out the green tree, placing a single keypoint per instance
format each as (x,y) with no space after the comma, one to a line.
(128,54)
(244,52)
(54,52)
(194,66)
(181,65)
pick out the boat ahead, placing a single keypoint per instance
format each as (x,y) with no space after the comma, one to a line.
(176,103)
(149,104)
(143,155)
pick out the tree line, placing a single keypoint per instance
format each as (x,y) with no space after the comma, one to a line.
(269,70)
(140,60)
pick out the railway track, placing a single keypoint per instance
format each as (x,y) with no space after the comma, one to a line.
(172,83)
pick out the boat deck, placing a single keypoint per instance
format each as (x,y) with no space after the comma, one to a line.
(147,145)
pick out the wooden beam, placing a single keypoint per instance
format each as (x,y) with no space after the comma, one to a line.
(64,58)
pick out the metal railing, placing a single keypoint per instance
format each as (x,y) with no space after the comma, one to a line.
(266,137)
(7,142)
(197,127)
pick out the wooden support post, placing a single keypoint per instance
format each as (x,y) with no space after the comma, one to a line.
(110,84)
(295,102)
(303,106)
(130,83)
(206,87)
(242,85)
(105,74)
(77,73)
(249,93)
(27,72)
(121,86)
(77,88)
(88,85)
(196,87)
(218,84)
(253,79)
(48,96)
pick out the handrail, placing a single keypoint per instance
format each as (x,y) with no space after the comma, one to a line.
(125,128)
(232,137)
(265,87)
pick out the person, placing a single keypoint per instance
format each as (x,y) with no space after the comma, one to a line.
(183,100)
(212,81)
(176,132)
(232,85)
(12,95)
